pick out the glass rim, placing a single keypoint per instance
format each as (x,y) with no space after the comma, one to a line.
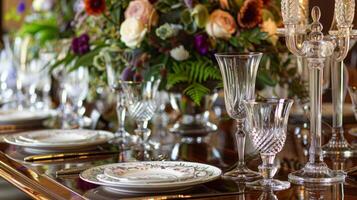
(268,101)
(238,54)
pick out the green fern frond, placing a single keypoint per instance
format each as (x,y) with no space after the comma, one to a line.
(173,79)
(196,92)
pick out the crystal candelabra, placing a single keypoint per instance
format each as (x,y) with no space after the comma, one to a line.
(338,145)
(316,50)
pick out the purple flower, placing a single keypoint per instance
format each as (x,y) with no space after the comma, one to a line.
(127,74)
(80,45)
(201,44)
(21,7)
(189,3)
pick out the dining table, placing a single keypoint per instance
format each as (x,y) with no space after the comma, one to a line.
(59,178)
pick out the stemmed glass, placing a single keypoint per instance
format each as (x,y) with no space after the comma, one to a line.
(75,90)
(239,73)
(28,73)
(141,104)
(115,61)
(267,126)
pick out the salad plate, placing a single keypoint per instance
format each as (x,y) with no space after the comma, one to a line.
(149,172)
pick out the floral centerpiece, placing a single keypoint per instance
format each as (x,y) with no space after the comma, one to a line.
(176,40)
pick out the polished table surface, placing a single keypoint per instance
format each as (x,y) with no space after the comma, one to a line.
(39,179)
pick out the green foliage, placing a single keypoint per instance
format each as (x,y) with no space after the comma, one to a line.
(196,92)
(166,6)
(247,39)
(194,74)
(42,31)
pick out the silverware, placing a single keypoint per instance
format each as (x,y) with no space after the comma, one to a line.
(71,171)
(59,156)
(187,196)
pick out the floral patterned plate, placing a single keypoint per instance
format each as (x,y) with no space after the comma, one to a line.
(202,173)
(149,172)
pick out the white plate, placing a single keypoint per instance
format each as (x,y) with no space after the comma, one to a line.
(57,136)
(149,172)
(100,138)
(20,116)
(203,173)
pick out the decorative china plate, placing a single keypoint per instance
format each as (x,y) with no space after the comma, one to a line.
(149,172)
(57,136)
(193,173)
(23,116)
(67,139)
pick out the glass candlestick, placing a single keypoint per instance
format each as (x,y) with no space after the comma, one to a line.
(316,50)
(239,74)
(338,145)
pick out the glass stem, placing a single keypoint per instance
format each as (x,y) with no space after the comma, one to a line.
(240,138)
(120,108)
(316,72)
(142,131)
(337,99)
(267,169)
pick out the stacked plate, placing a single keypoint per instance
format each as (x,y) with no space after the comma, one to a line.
(151,177)
(23,116)
(59,140)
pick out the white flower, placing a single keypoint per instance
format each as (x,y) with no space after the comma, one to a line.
(179,53)
(132,32)
(42,5)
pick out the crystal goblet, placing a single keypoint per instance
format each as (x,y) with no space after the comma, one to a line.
(75,90)
(141,104)
(115,61)
(267,126)
(239,72)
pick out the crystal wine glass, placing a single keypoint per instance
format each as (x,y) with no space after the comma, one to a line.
(75,85)
(267,126)
(141,104)
(239,73)
(115,61)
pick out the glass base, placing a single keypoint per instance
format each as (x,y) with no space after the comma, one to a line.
(338,147)
(124,139)
(317,173)
(148,151)
(148,145)
(242,174)
(269,185)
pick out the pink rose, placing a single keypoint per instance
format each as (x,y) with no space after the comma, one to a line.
(142,10)
(221,25)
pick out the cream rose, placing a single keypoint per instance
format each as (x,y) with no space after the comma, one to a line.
(179,53)
(271,28)
(132,32)
(220,25)
(143,11)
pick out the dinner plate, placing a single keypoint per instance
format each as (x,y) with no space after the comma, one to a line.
(57,136)
(202,173)
(24,116)
(95,137)
(149,172)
